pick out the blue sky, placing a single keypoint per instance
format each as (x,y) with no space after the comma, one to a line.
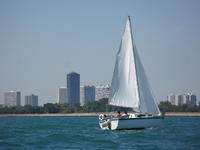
(41,41)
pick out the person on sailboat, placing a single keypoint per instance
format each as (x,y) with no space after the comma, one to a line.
(105,117)
(117,114)
(125,115)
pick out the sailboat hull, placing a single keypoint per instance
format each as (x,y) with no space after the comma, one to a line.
(131,123)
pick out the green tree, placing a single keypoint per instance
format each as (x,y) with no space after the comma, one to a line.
(51,108)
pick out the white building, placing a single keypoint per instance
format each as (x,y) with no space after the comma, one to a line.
(171,98)
(102,91)
(62,95)
(12,98)
(87,93)
(82,96)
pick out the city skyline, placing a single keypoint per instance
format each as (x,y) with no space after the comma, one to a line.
(41,41)
(87,93)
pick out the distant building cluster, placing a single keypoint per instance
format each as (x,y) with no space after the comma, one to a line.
(76,93)
(13,98)
(72,93)
(180,99)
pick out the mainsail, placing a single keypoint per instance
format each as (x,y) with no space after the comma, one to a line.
(130,87)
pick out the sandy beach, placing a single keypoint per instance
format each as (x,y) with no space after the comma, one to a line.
(93,114)
(182,114)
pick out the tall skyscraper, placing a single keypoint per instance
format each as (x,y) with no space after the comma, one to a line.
(87,93)
(62,95)
(12,98)
(102,91)
(31,100)
(73,87)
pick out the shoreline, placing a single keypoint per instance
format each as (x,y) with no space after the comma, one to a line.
(197,114)
(168,114)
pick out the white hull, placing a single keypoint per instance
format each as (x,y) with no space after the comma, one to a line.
(131,123)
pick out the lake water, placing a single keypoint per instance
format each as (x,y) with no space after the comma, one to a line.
(32,133)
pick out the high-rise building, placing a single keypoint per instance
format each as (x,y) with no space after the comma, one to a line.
(31,100)
(102,91)
(73,87)
(87,93)
(12,98)
(178,100)
(192,99)
(62,95)
(171,98)
(186,99)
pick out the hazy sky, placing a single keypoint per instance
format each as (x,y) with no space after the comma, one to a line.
(41,41)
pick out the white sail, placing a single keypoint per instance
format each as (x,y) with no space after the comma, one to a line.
(147,100)
(124,89)
(130,86)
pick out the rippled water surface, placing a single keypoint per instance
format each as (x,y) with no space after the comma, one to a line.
(30,133)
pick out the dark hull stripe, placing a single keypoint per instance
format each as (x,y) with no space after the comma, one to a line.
(161,117)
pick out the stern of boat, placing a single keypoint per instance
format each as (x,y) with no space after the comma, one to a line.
(108,123)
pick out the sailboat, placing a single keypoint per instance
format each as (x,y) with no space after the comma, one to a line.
(130,89)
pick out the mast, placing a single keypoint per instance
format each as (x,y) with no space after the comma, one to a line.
(134,55)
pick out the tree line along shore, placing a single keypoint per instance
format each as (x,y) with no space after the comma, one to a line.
(92,108)
(169,114)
